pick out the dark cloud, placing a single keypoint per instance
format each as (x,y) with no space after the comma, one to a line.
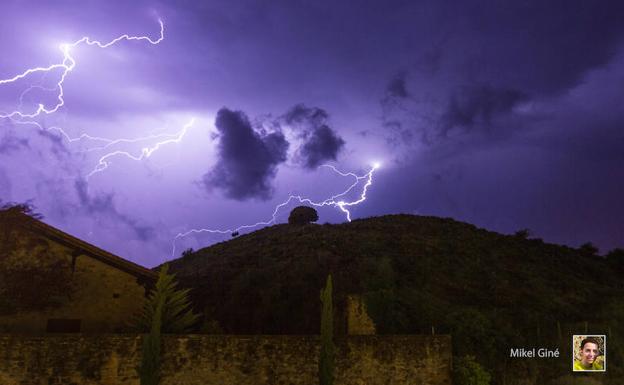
(58,147)
(320,142)
(322,145)
(397,87)
(10,143)
(540,47)
(5,185)
(395,98)
(102,204)
(309,117)
(402,119)
(247,160)
(31,136)
(487,56)
(471,106)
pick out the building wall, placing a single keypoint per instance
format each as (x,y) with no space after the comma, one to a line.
(104,298)
(224,360)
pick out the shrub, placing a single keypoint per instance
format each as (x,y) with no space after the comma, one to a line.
(472,333)
(616,254)
(467,371)
(177,316)
(588,249)
(615,258)
(302,215)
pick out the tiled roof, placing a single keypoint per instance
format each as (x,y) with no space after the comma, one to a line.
(85,248)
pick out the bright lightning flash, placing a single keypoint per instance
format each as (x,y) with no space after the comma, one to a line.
(66,66)
(145,152)
(334,201)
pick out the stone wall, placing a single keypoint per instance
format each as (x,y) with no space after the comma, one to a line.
(224,360)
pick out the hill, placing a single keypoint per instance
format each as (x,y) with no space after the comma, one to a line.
(492,292)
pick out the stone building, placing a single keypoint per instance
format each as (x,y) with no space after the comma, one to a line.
(53,282)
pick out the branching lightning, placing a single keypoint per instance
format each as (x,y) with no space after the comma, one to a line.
(66,66)
(103,163)
(334,201)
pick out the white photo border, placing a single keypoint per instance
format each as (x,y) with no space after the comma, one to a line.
(604,341)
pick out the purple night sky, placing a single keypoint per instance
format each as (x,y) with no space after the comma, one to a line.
(507,115)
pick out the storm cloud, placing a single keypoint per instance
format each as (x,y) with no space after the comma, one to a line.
(102,204)
(9,143)
(247,160)
(494,57)
(538,47)
(5,185)
(477,105)
(514,106)
(397,87)
(320,142)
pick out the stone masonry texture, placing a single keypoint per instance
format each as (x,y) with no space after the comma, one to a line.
(112,359)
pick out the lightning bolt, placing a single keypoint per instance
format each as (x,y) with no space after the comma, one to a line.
(146,152)
(66,66)
(334,201)
(69,63)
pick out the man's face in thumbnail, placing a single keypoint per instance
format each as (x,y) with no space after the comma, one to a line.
(589,353)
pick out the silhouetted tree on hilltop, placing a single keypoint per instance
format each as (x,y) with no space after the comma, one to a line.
(588,249)
(302,215)
(523,234)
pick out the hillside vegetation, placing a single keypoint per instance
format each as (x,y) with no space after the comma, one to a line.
(417,275)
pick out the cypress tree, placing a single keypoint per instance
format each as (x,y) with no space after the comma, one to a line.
(326,359)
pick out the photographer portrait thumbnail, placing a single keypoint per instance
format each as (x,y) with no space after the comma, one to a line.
(589,353)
